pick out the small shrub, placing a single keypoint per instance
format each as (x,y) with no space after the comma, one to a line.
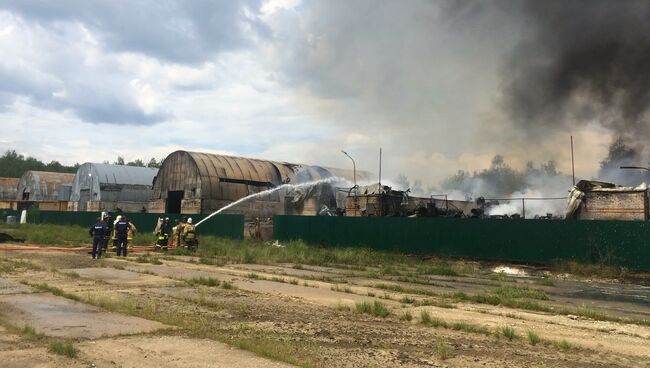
(147,258)
(207,281)
(253,276)
(342,307)
(406,316)
(425,317)
(562,344)
(533,338)
(371,294)
(380,310)
(64,348)
(442,348)
(227,285)
(72,274)
(364,307)
(508,332)
(407,300)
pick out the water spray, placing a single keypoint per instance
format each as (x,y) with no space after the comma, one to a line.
(273,190)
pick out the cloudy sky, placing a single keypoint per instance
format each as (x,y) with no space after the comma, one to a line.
(278,79)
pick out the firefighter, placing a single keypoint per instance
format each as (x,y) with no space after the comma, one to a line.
(132,231)
(162,234)
(179,232)
(97,231)
(189,236)
(107,236)
(113,235)
(122,228)
(175,236)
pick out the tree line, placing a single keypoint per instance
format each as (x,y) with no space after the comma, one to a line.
(14,165)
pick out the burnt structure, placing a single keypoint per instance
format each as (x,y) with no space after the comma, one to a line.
(195,182)
(44,186)
(595,200)
(382,200)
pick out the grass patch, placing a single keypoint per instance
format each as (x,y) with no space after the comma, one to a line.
(425,317)
(54,290)
(544,281)
(344,289)
(507,292)
(71,274)
(210,261)
(438,269)
(587,269)
(407,300)
(288,351)
(377,309)
(562,344)
(207,281)
(227,285)
(533,338)
(30,333)
(435,303)
(148,258)
(343,307)
(65,348)
(406,316)
(508,332)
(442,348)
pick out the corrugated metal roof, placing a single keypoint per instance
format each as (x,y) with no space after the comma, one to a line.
(102,176)
(122,174)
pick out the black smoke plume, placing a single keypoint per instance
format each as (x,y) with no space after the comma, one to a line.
(584,61)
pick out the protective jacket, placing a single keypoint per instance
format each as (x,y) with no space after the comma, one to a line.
(122,229)
(98,230)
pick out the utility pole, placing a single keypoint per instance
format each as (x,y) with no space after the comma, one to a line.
(380,168)
(573,169)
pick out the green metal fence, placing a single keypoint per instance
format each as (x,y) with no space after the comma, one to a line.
(624,243)
(230,226)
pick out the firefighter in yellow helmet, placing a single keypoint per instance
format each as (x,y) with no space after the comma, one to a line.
(189,236)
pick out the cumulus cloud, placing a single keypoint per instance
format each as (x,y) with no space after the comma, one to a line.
(438,84)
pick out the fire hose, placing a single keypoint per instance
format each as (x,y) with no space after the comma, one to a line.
(72,249)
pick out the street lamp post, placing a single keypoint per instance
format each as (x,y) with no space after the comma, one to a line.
(354,178)
(354,168)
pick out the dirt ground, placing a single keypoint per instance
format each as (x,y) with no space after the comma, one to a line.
(284,314)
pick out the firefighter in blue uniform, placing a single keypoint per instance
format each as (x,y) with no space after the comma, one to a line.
(98,231)
(122,235)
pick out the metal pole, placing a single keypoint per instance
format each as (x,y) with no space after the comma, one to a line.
(354,168)
(573,169)
(379,168)
(523,208)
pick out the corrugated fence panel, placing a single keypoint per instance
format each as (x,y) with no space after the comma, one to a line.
(624,243)
(229,226)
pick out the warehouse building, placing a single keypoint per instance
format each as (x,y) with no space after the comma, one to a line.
(8,188)
(44,186)
(194,182)
(104,187)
